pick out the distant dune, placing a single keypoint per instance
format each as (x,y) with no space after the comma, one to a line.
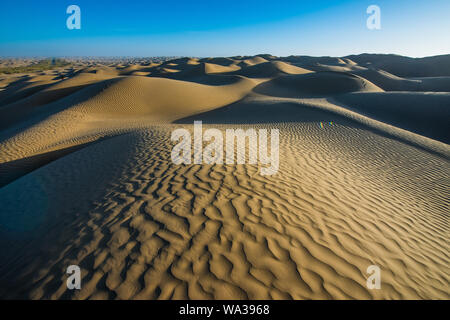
(436,66)
(86,178)
(316,84)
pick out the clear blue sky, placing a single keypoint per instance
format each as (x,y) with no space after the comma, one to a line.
(223,28)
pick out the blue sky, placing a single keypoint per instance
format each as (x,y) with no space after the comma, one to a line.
(223,28)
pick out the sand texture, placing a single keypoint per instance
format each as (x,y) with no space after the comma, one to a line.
(86,178)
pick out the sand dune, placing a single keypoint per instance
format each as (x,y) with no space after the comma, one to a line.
(226,62)
(307,60)
(407,67)
(316,84)
(211,68)
(257,110)
(390,82)
(254,61)
(86,178)
(22,86)
(270,69)
(149,99)
(199,70)
(406,110)
(20,110)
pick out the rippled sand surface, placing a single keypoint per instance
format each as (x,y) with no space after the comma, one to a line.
(87,179)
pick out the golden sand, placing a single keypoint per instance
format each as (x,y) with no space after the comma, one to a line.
(86,179)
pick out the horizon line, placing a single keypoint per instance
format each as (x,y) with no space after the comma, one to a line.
(215,56)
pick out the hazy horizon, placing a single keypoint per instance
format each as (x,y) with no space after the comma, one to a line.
(201,57)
